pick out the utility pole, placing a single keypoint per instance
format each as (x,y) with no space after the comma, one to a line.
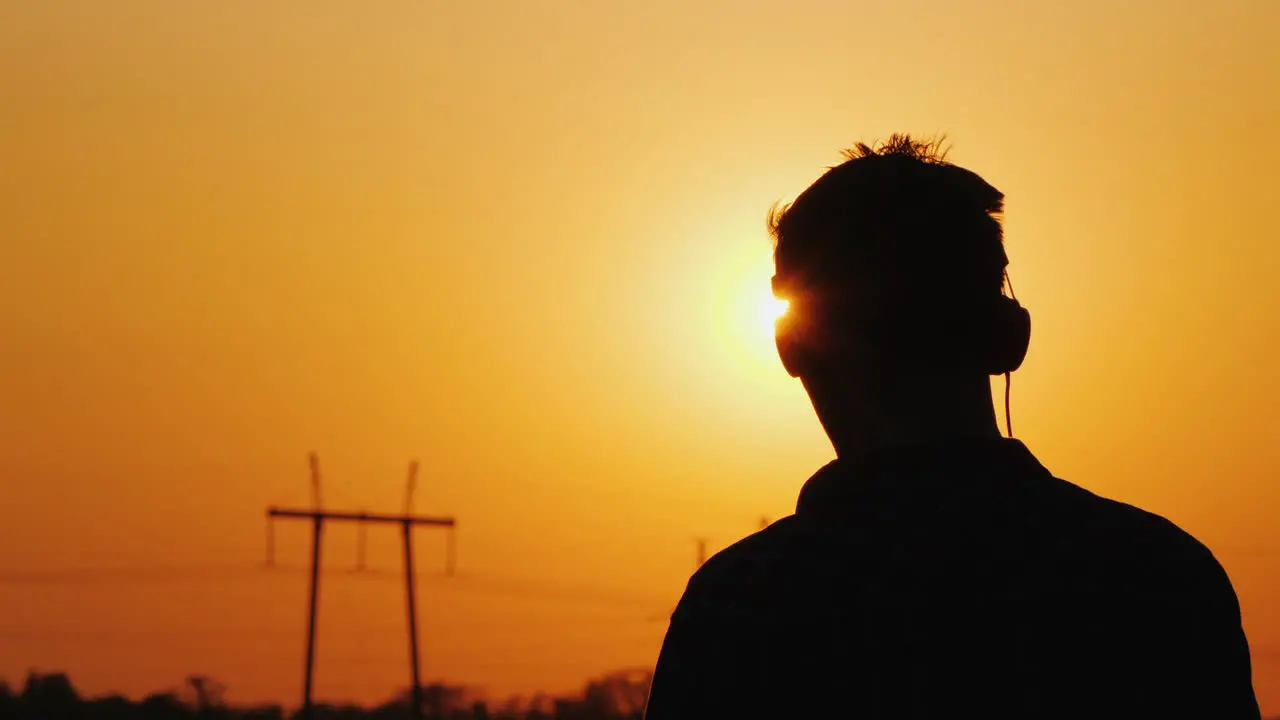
(407,522)
(702,551)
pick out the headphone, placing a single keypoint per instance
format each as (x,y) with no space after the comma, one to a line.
(1000,335)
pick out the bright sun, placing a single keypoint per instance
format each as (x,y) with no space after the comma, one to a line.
(772,308)
(747,314)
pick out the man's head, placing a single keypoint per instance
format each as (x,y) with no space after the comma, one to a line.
(893,263)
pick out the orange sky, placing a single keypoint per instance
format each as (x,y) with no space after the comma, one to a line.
(524,242)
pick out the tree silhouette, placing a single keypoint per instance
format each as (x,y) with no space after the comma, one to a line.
(620,694)
(53,690)
(614,696)
(206,693)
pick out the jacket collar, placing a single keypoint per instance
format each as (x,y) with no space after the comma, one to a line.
(916,470)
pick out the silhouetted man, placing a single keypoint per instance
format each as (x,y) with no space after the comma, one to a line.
(936,569)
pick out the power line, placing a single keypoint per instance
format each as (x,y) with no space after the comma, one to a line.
(120,575)
(511,586)
(117,634)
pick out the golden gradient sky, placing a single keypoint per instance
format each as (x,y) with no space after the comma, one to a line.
(524,242)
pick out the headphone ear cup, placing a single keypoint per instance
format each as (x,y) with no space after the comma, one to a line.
(1010,337)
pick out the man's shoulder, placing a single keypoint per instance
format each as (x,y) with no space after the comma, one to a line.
(1139,541)
(778,555)
(765,570)
(762,552)
(1126,524)
(751,570)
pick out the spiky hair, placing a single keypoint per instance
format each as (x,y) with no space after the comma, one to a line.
(897,209)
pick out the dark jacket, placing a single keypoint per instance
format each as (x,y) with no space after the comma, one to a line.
(959,581)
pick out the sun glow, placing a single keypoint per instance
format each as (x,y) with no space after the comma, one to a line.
(771,309)
(745,317)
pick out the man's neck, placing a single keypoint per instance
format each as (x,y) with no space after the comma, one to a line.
(919,412)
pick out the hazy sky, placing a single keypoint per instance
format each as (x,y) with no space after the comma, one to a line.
(524,242)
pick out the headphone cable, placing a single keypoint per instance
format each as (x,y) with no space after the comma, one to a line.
(1008,377)
(1008,418)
